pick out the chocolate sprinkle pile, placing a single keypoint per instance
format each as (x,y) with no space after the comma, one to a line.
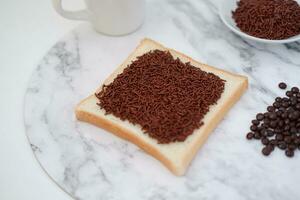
(166,97)
(280,125)
(268,19)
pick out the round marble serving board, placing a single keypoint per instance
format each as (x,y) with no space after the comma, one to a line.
(91,164)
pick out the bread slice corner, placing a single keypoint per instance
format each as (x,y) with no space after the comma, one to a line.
(175,156)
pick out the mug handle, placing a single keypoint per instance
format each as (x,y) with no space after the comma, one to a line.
(75,15)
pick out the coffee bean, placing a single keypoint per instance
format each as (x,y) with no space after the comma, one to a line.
(259,116)
(287,139)
(293,103)
(278,113)
(296,114)
(257,136)
(253,128)
(273,142)
(284,115)
(273,124)
(266,121)
(281,123)
(279,137)
(292,116)
(293,136)
(286,128)
(292,124)
(278,99)
(282,145)
(295,89)
(287,120)
(285,104)
(298,95)
(297,141)
(282,85)
(291,146)
(286,133)
(277,130)
(289,93)
(272,115)
(290,110)
(250,135)
(293,98)
(255,122)
(289,153)
(270,133)
(271,146)
(293,130)
(263,132)
(277,104)
(298,106)
(266,151)
(265,141)
(266,114)
(271,108)
(259,128)
(285,99)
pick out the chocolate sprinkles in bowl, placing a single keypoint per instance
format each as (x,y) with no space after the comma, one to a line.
(268,19)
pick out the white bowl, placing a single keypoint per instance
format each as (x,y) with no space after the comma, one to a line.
(225,12)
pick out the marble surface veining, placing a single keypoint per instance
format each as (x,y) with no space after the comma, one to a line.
(92,164)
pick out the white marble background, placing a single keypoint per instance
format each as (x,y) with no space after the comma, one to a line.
(91,164)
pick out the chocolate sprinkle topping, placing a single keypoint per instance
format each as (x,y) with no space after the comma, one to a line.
(166,97)
(269,19)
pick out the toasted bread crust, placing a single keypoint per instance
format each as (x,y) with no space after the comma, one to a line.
(210,68)
(208,129)
(126,134)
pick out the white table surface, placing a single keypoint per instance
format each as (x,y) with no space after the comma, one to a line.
(27,30)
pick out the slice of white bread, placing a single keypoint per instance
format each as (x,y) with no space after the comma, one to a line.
(177,155)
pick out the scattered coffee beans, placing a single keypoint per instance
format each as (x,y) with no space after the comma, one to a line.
(250,135)
(282,85)
(289,153)
(280,125)
(266,151)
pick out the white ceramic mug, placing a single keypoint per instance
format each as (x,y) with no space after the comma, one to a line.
(112,17)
